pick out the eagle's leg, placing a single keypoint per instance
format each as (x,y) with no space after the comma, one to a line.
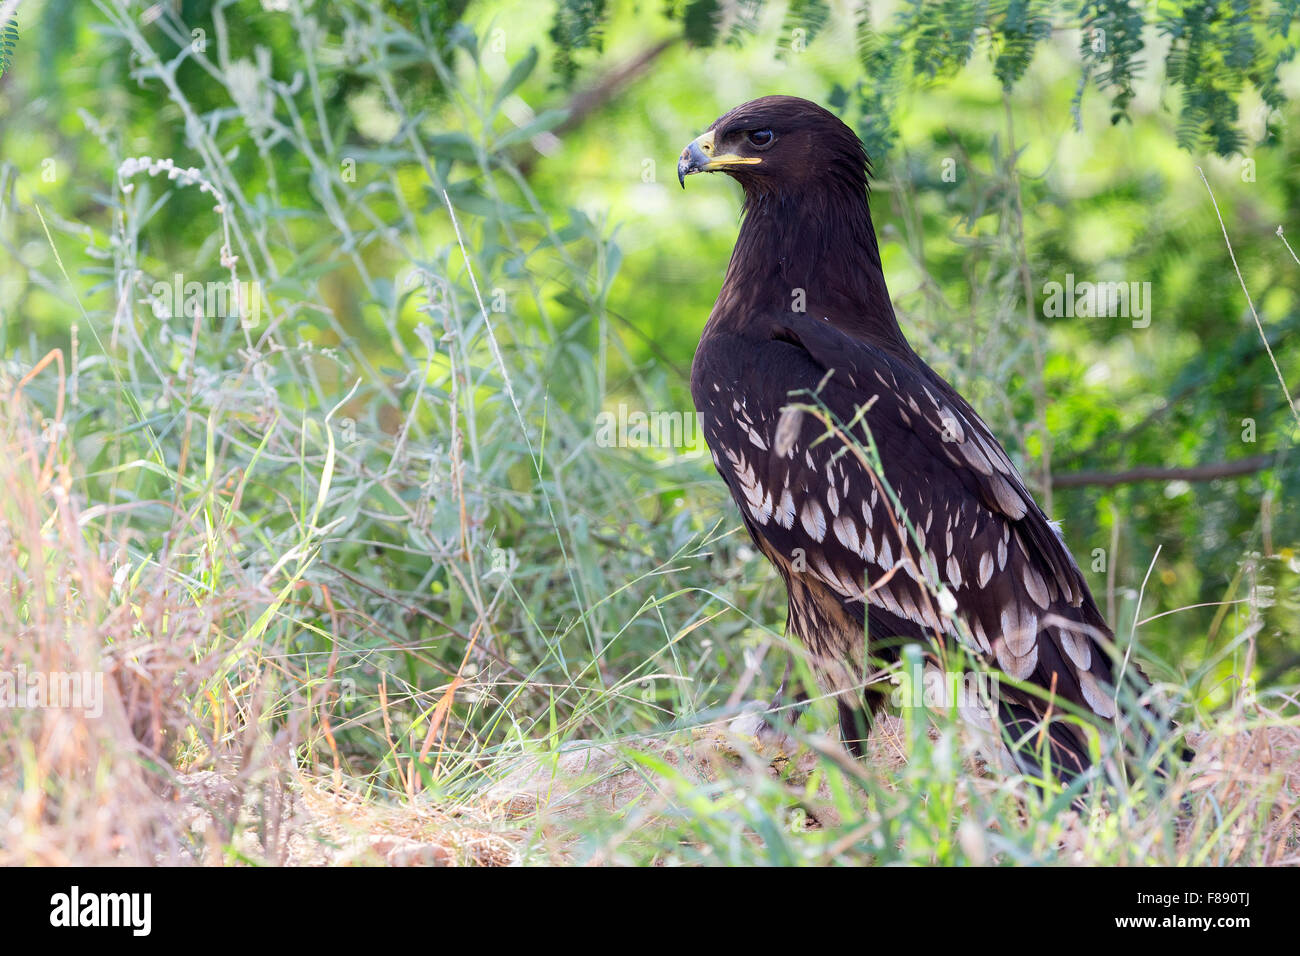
(783,711)
(858,708)
(767,723)
(857,718)
(855,727)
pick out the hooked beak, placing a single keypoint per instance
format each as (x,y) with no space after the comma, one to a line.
(699,157)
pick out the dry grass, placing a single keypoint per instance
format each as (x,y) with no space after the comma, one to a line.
(162,778)
(95,788)
(79,790)
(1248,769)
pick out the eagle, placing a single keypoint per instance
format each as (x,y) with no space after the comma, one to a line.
(883,500)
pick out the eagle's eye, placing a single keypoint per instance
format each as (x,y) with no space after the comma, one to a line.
(760,137)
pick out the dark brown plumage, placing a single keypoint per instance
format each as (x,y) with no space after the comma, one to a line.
(983,566)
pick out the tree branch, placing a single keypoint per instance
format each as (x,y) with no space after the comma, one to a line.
(587,101)
(1221,469)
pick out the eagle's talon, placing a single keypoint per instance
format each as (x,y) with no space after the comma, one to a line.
(757,731)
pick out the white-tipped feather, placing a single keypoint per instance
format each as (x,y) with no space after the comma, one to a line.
(954,572)
(813,520)
(785,509)
(1095,695)
(1019,629)
(1079,649)
(1035,585)
(846,530)
(1019,667)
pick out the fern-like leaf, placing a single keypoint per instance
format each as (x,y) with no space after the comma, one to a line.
(8,42)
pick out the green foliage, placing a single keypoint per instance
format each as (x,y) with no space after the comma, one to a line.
(577,28)
(804,21)
(700,21)
(1023,26)
(422,466)
(874,99)
(1218,50)
(8,41)
(1111,44)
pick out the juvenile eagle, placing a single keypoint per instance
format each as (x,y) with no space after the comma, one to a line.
(804,321)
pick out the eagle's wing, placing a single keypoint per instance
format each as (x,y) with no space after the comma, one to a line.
(978,542)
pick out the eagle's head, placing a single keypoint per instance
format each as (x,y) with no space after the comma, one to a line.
(779,144)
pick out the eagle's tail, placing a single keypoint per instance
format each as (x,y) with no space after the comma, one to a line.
(1039,745)
(1031,735)
(1045,744)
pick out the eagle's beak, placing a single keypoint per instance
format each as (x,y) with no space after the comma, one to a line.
(699,157)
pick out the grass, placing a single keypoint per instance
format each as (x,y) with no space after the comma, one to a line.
(363,587)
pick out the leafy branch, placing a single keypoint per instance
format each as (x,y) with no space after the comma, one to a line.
(1218,51)
(8,40)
